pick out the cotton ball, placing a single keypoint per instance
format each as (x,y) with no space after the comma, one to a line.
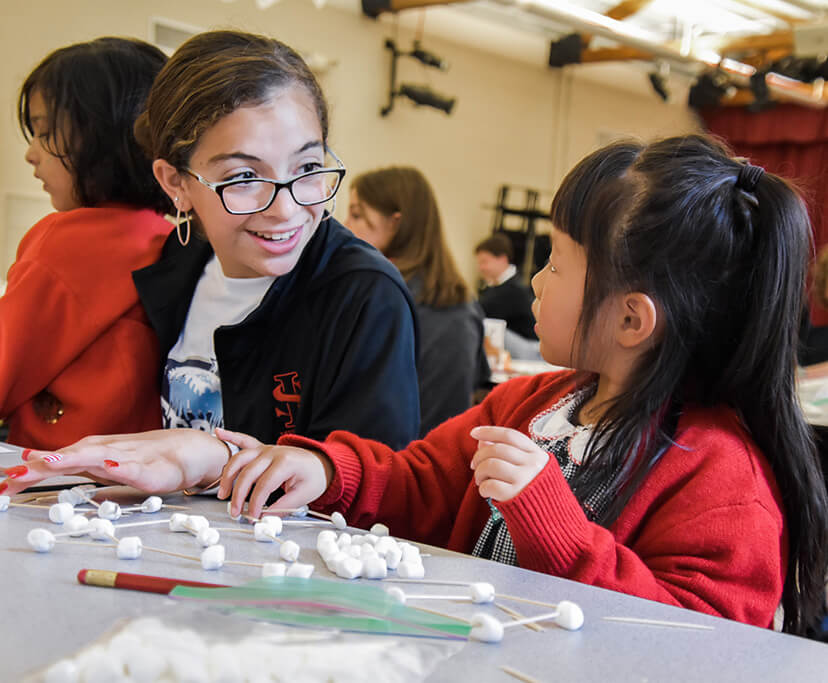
(300,570)
(410,570)
(223,664)
(379,530)
(208,537)
(78,525)
(482,592)
(274,569)
(486,628)
(100,529)
(196,523)
(570,616)
(263,532)
(109,510)
(393,556)
(4,503)
(41,540)
(61,512)
(274,522)
(338,520)
(144,664)
(64,671)
(152,504)
(289,551)
(178,522)
(212,557)
(349,568)
(396,593)
(235,518)
(344,539)
(129,548)
(374,567)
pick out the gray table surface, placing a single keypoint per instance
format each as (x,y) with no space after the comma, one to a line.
(48,615)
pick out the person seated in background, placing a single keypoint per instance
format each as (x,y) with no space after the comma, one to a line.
(504,296)
(395,210)
(813,341)
(77,353)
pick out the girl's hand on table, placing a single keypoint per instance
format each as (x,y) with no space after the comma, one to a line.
(303,475)
(159,461)
(505,462)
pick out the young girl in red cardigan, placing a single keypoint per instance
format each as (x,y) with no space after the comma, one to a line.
(673,464)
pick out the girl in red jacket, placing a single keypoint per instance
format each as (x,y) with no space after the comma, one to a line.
(77,354)
(674,464)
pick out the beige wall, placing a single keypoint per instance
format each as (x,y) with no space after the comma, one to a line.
(514,123)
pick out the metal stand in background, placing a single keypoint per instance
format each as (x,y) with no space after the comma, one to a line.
(531,249)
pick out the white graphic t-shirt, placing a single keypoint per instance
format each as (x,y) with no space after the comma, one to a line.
(191,387)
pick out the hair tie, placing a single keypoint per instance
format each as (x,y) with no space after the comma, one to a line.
(749,177)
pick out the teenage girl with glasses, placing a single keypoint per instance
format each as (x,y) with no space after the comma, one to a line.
(272,317)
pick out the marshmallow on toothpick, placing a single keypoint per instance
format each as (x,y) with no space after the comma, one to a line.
(289,551)
(60,513)
(41,540)
(213,557)
(488,629)
(129,548)
(208,537)
(152,504)
(77,525)
(300,570)
(100,529)
(274,569)
(109,510)
(178,522)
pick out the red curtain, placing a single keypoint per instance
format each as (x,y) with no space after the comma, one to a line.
(791,141)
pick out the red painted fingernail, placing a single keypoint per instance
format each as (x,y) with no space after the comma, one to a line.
(25,454)
(16,471)
(3,487)
(111,463)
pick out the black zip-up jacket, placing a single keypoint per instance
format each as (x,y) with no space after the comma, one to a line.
(332,345)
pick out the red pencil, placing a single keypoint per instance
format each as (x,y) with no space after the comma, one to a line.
(137,582)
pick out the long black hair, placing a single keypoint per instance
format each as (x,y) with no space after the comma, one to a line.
(93,93)
(727,268)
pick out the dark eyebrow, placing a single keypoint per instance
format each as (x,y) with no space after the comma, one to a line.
(242,156)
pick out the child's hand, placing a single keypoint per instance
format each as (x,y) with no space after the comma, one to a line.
(304,475)
(505,462)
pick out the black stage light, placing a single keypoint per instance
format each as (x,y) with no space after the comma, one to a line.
(565,51)
(425,96)
(428,58)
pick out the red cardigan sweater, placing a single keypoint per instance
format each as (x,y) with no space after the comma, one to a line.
(704,531)
(71,325)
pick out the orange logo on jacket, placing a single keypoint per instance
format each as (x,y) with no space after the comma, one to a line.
(287,395)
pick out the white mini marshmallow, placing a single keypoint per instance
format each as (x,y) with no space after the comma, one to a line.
(235,518)
(101,668)
(274,569)
(349,568)
(368,551)
(570,616)
(354,550)
(152,504)
(344,539)
(208,537)
(71,496)
(397,593)
(213,557)
(4,503)
(64,671)
(410,553)
(486,628)
(358,539)
(41,540)
(144,664)
(300,511)
(289,551)
(61,512)
(370,538)
(327,549)
(338,520)
(129,548)
(393,556)
(374,567)
(100,529)
(78,525)
(324,535)
(274,522)
(196,523)
(263,532)
(300,570)
(409,569)
(109,510)
(178,522)
(482,592)
(383,544)
(333,561)
(379,529)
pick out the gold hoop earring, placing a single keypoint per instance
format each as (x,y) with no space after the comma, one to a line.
(183,240)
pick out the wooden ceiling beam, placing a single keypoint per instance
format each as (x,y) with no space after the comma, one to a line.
(781,40)
(624,9)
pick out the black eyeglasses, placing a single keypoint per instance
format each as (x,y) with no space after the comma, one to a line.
(252,195)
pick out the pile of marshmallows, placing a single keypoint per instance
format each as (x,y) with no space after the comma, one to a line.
(369,555)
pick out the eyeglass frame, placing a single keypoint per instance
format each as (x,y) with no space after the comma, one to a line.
(218,187)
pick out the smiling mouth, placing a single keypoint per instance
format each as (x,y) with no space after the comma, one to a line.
(279,237)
